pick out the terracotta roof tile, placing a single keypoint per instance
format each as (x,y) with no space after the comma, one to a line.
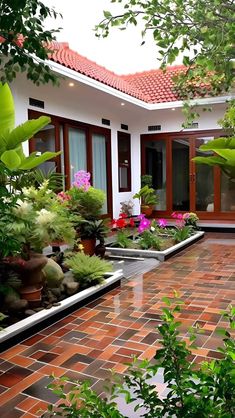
(153,86)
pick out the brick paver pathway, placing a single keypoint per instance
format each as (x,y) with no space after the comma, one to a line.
(107,332)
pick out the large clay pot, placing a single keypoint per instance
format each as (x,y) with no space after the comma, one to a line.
(146,210)
(31,271)
(88,246)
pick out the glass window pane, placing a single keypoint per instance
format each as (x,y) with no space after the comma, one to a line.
(77,151)
(45,141)
(227,194)
(99,165)
(123,178)
(180,174)
(204,179)
(124,162)
(155,162)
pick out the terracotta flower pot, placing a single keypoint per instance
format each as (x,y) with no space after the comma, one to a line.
(31,293)
(146,210)
(88,246)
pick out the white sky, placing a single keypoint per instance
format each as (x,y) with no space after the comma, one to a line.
(121,52)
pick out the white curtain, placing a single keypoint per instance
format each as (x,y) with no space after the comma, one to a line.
(77,151)
(99,165)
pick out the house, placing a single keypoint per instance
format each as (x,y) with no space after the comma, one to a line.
(119,127)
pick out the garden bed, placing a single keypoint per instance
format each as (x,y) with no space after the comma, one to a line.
(160,255)
(26,327)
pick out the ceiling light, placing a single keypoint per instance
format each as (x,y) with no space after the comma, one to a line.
(122,104)
(71,84)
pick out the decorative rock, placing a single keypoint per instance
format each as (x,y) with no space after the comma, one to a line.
(72,287)
(18,305)
(56,292)
(53,274)
(56,304)
(39,309)
(48,306)
(29,312)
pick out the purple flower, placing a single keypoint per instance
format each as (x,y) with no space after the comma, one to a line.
(162,223)
(82,180)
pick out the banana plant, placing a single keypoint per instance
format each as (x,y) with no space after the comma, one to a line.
(11,138)
(224,150)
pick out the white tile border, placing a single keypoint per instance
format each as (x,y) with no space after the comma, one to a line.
(38,317)
(160,255)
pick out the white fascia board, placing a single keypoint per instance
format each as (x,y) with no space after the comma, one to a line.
(72,74)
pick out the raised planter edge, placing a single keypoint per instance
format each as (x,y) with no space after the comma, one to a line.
(160,255)
(25,324)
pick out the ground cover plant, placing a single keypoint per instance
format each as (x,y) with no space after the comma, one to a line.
(152,234)
(206,390)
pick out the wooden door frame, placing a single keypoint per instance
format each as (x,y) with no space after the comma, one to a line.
(58,121)
(191,135)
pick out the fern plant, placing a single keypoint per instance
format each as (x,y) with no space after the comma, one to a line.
(87,270)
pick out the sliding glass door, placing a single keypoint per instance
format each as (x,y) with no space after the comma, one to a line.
(182,185)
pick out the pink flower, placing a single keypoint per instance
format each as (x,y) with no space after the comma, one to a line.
(144,224)
(179,216)
(174,215)
(63,196)
(162,223)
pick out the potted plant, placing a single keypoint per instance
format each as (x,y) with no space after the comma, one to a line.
(89,231)
(85,205)
(147,198)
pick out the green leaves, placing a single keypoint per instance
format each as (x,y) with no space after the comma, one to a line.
(11,151)
(7,111)
(11,159)
(206,29)
(26,131)
(27,18)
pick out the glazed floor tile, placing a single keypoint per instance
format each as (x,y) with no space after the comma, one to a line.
(106,333)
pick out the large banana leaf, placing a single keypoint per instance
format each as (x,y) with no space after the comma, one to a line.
(210,160)
(219,143)
(11,159)
(7,110)
(34,160)
(11,151)
(26,131)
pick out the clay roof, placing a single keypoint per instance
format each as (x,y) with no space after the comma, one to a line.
(153,86)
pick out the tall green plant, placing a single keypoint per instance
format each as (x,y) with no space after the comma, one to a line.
(205,391)
(12,156)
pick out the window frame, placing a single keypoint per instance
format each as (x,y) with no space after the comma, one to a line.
(127,137)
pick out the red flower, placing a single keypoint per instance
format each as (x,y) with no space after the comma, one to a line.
(121,223)
(131,222)
(123,215)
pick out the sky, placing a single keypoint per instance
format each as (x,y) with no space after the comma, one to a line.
(121,52)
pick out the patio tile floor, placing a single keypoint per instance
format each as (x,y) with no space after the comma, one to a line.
(107,332)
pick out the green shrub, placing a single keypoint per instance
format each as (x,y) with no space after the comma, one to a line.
(88,270)
(122,240)
(180,234)
(149,240)
(87,203)
(205,391)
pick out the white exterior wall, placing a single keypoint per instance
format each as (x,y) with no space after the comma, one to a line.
(86,104)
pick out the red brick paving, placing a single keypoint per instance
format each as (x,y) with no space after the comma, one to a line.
(107,332)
